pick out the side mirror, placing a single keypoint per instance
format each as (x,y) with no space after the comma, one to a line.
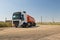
(24,11)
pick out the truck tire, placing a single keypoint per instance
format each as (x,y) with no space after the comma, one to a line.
(29,24)
(24,25)
(16,26)
(34,24)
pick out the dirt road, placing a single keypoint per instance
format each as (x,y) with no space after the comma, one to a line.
(43,32)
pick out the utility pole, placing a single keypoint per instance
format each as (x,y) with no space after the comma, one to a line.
(5,19)
(53,20)
(41,19)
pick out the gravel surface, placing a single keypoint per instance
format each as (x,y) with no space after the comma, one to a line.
(42,32)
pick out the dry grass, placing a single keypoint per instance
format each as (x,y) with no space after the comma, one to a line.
(49,23)
(5,24)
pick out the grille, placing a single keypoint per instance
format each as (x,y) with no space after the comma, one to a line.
(16,23)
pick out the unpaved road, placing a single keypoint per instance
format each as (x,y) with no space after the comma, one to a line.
(43,32)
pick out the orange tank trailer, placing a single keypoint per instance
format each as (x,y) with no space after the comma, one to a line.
(30,19)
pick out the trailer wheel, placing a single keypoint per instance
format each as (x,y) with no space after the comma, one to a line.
(34,24)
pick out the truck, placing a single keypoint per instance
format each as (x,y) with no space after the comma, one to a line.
(22,19)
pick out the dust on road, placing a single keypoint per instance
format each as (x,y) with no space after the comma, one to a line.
(43,32)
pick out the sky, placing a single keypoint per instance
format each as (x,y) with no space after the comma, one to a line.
(48,9)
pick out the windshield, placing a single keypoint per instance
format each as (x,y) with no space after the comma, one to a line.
(18,15)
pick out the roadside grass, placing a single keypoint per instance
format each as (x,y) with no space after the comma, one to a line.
(9,24)
(5,24)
